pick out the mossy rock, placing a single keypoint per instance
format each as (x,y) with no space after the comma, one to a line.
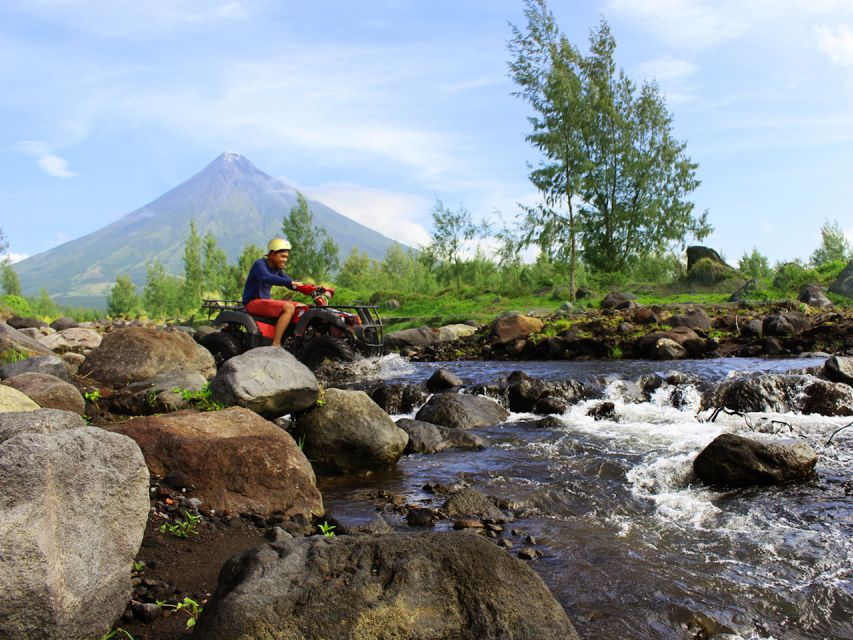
(707,271)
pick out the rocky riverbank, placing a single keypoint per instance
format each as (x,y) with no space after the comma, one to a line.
(142,485)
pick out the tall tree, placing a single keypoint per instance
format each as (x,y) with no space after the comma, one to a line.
(355,270)
(11,285)
(214,266)
(123,300)
(451,230)
(833,246)
(162,292)
(609,152)
(193,271)
(314,254)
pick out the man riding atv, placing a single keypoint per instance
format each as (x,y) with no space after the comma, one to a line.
(265,273)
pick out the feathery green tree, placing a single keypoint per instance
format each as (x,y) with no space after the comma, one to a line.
(314,254)
(123,300)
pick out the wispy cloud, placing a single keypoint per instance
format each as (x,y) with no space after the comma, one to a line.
(836,44)
(14,257)
(397,215)
(48,161)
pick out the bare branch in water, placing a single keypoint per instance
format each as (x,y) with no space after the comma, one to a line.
(829,442)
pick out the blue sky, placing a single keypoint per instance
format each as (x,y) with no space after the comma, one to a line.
(378,108)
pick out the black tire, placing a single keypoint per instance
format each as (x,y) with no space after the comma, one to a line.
(317,350)
(222,346)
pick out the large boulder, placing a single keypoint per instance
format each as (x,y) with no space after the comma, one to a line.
(37,421)
(75,339)
(14,400)
(736,461)
(462,411)
(843,284)
(15,345)
(48,391)
(514,326)
(417,337)
(695,319)
(451,332)
(54,365)
(72,514)
(268,380)
(63,323)
(349,433)
(19,322)
(398,398)
(839,369)
(442,380)
(619,300)
(236,460)
(784,324)
(813,296)
(470,502)
(698,252)
(163,393)
(523,391)
(781,393)
(656,345)
(133,354)
(425,437)
(414,586)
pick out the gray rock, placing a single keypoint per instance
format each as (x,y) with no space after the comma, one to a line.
(14,343)
(843,284)
(812,295)
(48,391)
(751,329)
(17,322)
(72,514)
(398,398)
(268,380)
(782,393)
(668,349)
(470,502)
(53,365)
(784,324)
(430,438)
(39,421)
(414,586)
(619,300)
(695,319)
(839,369)
(63,323)
(735,461)
(451,332)
(418,337)
(160,394)
(462,411)
(349,433)
(76,339)
(442,380)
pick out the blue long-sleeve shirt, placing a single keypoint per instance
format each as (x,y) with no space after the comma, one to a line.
(261,279)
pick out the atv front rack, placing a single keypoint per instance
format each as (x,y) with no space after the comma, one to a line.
(215,306)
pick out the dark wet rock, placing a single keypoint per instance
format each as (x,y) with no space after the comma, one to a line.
(550,405)
(784,324)
(377,527)
(751,329)
(470,502)
(425,437)
(468,523)
(620,301)
(72,515)
(668,349)
(350,433)
(549,422)
(17,322)
(695,319)
(52,365)
(63,323)
(161,394)
(603,411)
(418,586)
(782,393)
(736,461)
(268,380)
(421,517)
(443,380)
(843,284)
(649,345)
(649,383)
(133,354)
(523,391)
(813,295)
(462,411)
(48,391)
(772,346)
(514,326)
(398,398)
(644,315)
(839,369)
(236,460)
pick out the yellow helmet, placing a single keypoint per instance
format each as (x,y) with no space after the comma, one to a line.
(278,244)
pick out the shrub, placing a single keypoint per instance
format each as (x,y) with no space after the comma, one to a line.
(18,305)
(791,276)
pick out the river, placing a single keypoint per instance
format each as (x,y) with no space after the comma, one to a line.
(633,546)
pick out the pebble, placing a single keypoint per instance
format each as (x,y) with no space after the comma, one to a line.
(467,523)
(528,554)
(530,540)
(506,544)
(420,517)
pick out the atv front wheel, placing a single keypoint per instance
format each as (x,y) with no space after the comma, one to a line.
(222,346)
(317,350)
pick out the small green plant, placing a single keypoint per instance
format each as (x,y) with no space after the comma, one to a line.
(321,398)
(151,398)
(182,528)
(115,633)
(616,352)
(13,355)
(301,442)
(138,566)
(189,606)
(201,399)
(93,396)
(327,529)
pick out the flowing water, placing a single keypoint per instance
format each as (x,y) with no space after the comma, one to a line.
(633,545)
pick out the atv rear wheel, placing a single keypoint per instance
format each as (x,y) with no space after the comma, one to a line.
(222,346)
(317,350)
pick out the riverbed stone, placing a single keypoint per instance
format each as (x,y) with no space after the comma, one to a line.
(442,380)
(735,461)
(425,437)
(160,394)
(14,400)
(470,502)
(15,346)
(619,300)
(784,324)
(695,319)
(72,515)
(462,411)
(349,433)
(515,326)
(839,369)
(268,380)
(417,586)
(133,354)
(48,391)
(38,421)
(813,296)
(75,339)
(685,337)
(416,337)
(781,393)
(398,398)
(53,365)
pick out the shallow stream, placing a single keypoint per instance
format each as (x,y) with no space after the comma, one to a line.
(633,545)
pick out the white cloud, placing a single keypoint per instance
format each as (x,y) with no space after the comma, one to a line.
(667,68)
(48,161)
(14,257)
(396,215)
(836,44)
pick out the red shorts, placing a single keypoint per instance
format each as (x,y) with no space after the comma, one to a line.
(267,307)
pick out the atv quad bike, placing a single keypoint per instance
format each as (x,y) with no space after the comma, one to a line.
(316,333)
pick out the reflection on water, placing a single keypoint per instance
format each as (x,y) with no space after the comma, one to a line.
(634,546)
